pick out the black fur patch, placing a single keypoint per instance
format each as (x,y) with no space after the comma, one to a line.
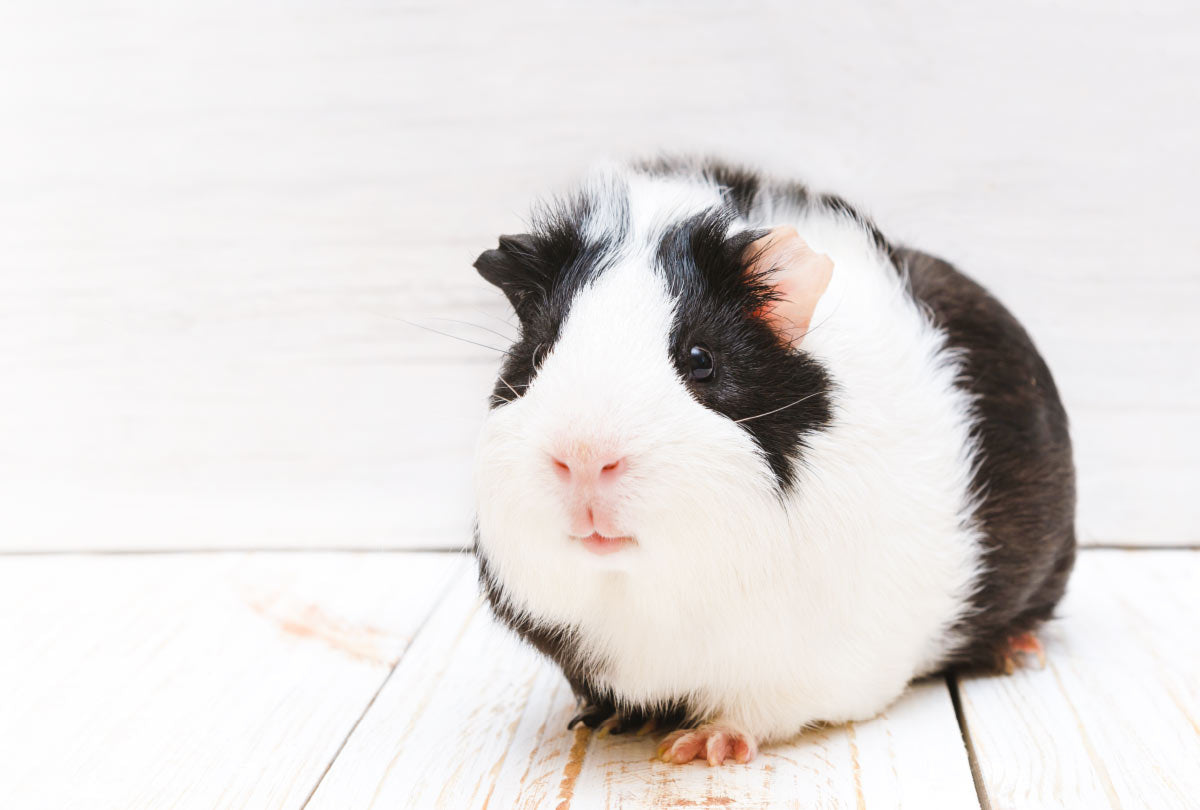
(781,393)
(740,185)
(1026,477)
(540,272)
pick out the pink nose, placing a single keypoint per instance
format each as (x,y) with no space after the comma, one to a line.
(588,469)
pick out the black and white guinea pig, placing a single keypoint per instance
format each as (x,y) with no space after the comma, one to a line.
(750,466)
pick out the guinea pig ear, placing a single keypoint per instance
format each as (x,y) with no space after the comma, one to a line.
(510,268)
(798,274)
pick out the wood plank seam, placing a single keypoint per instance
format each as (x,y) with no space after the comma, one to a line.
(382,683)
(964,729)
(1110,719)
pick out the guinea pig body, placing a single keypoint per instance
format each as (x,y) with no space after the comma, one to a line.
(707,514)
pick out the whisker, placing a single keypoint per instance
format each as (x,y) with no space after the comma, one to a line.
(506,321)
(455,337)
(476,325)
(510,388)
(777,410)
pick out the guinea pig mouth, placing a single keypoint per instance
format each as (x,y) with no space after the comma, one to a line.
(599,544)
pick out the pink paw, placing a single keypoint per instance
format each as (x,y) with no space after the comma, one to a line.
(712,741)
(1014,651)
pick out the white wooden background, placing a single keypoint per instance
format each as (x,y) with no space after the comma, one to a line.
(215,218)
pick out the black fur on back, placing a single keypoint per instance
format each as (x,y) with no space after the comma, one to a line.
(1025,481)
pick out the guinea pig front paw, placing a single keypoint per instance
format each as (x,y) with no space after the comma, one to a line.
(712,741)
(1015,649)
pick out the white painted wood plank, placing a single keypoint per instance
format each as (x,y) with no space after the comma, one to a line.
(1114,719)
(210,215)
(472,718)
(194,681)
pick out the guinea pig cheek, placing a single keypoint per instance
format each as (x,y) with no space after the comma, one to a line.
(517,507)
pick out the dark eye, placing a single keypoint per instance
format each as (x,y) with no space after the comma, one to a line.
(700,364)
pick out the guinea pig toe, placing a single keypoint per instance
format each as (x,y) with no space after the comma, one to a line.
(611,725)
(1016,650)
(714,743)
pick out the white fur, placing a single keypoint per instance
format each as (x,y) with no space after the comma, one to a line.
(768,615)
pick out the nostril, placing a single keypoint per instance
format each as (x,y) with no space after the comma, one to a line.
(587,468)
(613,468)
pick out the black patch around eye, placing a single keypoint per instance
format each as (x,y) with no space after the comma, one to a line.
(777,394)
(541,271)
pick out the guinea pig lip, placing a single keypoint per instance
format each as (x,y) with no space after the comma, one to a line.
(600,544)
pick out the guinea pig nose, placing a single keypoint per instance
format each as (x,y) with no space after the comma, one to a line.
(570,467)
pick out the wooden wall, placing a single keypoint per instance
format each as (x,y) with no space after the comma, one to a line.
(216,221)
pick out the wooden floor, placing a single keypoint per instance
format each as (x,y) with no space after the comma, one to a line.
(347,680)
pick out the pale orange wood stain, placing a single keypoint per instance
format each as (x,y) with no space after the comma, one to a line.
(533,751)
(891,747)
(711,801)
(858,789)
(303,620)
(494,773)
(574,766)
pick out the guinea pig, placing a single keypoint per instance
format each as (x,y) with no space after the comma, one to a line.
(750,466)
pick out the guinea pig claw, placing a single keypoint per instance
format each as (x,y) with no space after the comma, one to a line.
(590,716)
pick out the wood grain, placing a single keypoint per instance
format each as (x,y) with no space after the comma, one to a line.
(195,681)
(232,680)
(472,718)
(1114,718)
(212,217)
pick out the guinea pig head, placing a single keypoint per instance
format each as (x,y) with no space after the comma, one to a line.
(657,400)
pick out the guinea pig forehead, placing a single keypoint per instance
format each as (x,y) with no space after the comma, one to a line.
(627,310)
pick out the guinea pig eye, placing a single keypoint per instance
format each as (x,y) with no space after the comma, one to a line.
(700,364)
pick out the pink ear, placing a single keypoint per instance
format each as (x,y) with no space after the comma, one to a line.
(799,275)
